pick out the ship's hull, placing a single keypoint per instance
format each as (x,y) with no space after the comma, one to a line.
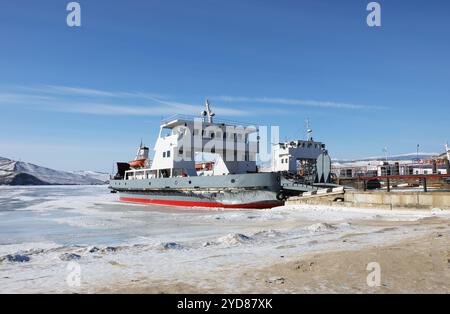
(219,199)
(234,191)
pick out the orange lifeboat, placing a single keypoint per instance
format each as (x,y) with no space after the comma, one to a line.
(141,157)
(139,163)
(204,166)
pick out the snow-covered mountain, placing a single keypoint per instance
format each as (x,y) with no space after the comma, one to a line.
(104,177)
(402,157)
(22,173)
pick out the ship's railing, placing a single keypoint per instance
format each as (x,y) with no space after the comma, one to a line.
(138,174)
(215,120)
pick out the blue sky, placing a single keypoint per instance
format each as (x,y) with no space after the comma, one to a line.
(81,98)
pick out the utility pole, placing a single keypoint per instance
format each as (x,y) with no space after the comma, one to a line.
(385,150)
(447,150)
(418,146)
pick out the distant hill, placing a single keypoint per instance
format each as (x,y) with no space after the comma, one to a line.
(22,173)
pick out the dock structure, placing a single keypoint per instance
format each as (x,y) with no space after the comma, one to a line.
(376,199)
(390,182)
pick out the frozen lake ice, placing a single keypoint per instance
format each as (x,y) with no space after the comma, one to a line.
(115,243)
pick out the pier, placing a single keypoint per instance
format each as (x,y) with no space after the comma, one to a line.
(377,199)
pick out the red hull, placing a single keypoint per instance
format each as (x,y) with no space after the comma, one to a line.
(198,204)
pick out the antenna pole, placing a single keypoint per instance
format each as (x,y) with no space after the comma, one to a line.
(447,149)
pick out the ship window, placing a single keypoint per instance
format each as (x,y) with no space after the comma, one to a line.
(233,180)
(180,151)
(212,134)
(168,154)
(164,154)
(213,150)
(282,161)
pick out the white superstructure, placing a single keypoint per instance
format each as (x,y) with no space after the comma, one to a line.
(290,156)
(180,138)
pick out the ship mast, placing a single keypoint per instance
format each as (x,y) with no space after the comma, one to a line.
(309,131)
(138,151)
(207,113)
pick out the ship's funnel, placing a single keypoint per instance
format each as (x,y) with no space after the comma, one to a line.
(142,153)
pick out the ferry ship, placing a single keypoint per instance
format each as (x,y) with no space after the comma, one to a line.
(173,177)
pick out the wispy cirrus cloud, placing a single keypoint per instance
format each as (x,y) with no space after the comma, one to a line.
(86,92)
(81,100)
(293,102)
(100,102)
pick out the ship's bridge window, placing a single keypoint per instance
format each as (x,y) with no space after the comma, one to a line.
(168,154)
(164,154)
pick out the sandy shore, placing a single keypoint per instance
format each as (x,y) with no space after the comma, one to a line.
(416,265)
